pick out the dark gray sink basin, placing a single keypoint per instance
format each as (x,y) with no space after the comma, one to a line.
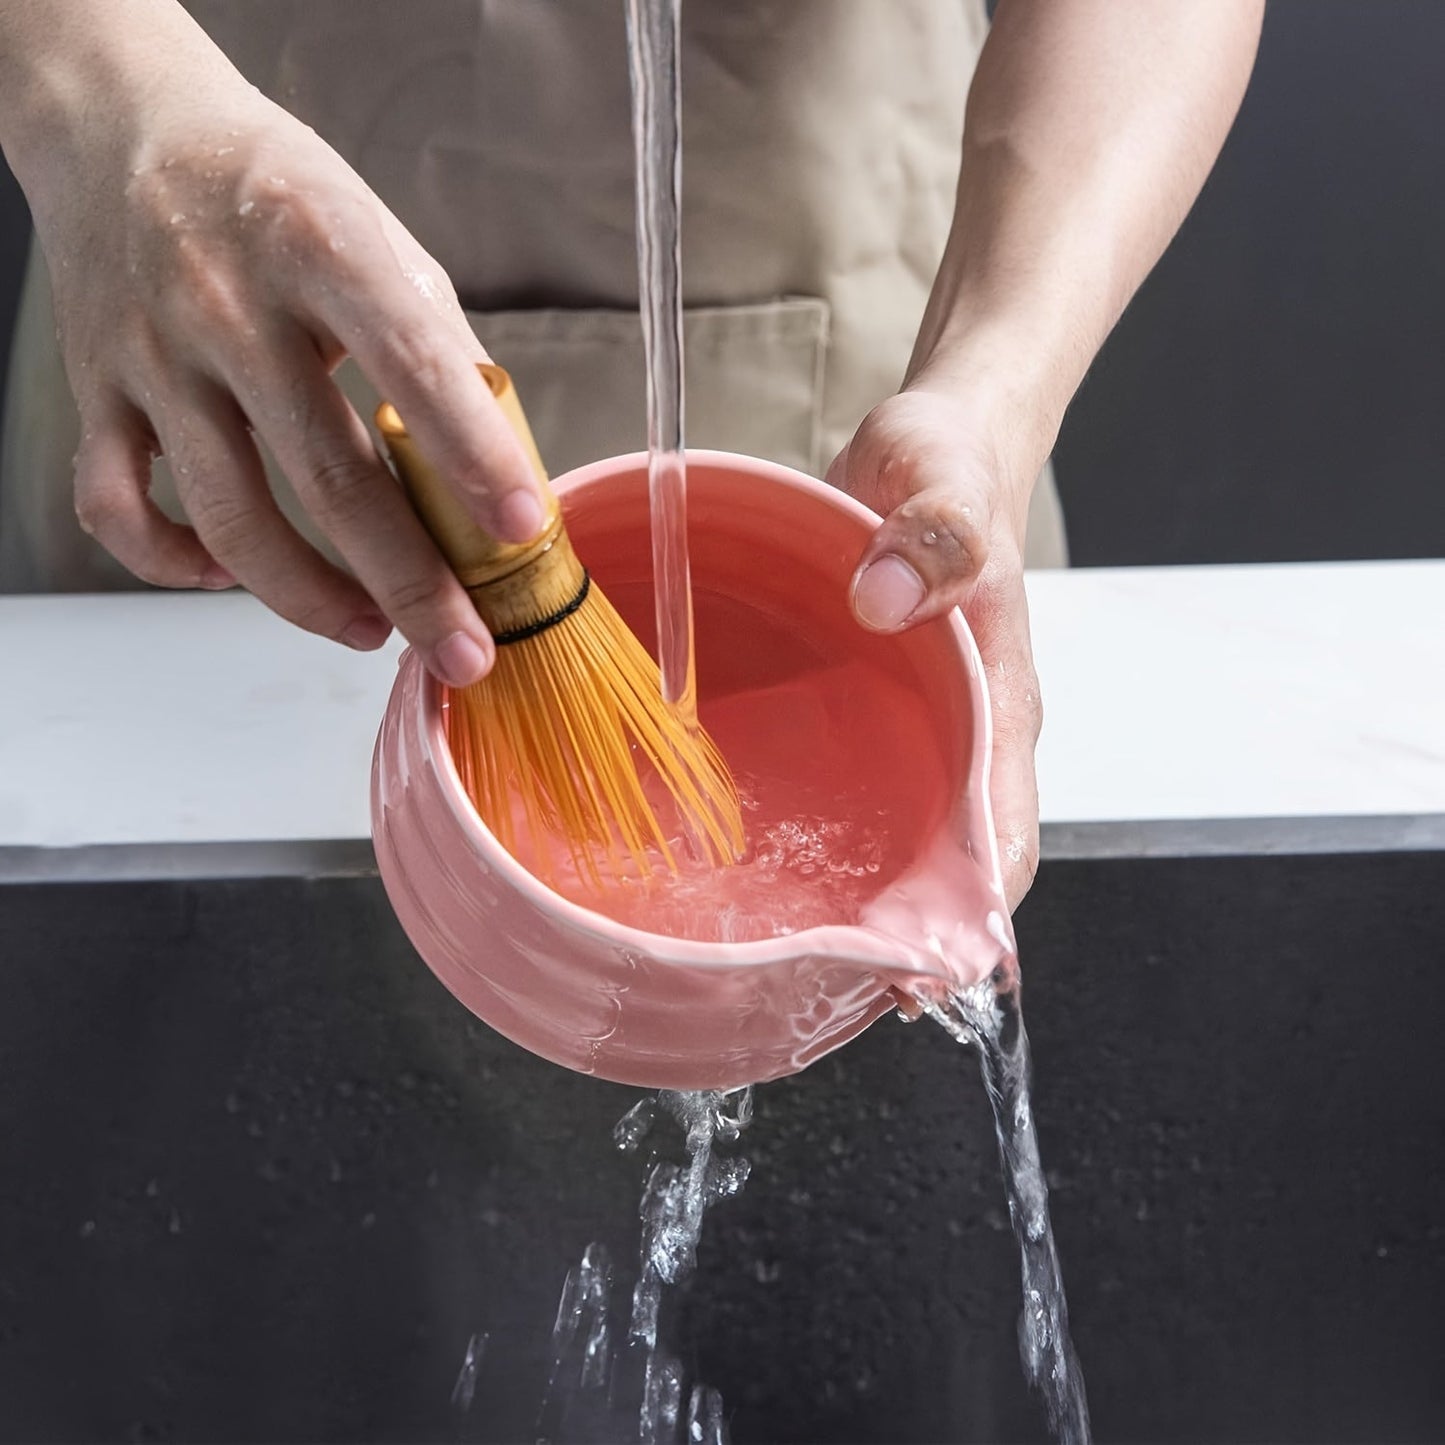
(262,1178)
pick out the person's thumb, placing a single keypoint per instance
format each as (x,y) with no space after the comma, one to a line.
(933,543)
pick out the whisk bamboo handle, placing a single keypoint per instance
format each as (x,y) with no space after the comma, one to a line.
(516,586)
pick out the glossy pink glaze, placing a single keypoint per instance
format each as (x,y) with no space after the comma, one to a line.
(585,991)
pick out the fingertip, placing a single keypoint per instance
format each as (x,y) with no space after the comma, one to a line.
(1016,818)
(366,634)
(908,1006)
(1018,878)
(886,593)
(520,516)
(461,659)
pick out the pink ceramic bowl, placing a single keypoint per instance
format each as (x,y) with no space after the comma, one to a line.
(772,554)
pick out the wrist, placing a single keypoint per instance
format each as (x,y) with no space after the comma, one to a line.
(1005,387)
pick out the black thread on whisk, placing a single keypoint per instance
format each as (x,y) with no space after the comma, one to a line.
(521,634)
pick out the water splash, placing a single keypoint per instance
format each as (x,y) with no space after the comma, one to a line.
(583,1313)
(801,869)
(577,1403)
(705,1422)
(604,1389)
(598,1392)
(988,1017)
(632,1128)
(465,1388)
(673,1204)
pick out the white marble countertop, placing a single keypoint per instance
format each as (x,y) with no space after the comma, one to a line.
(1269,692)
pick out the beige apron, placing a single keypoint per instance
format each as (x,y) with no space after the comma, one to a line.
(821,146)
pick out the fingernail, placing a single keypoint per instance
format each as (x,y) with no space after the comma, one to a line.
(887,593)
(215,577)
(520,516)
(366,634)
(462,660)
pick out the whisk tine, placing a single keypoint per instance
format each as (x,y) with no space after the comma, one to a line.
(560,735)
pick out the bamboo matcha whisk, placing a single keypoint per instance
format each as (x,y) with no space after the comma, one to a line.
(555,732)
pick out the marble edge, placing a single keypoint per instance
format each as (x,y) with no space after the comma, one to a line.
(1243,837)
(1119,839)
(174,862)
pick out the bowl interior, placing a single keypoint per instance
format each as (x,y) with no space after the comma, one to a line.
(772,554)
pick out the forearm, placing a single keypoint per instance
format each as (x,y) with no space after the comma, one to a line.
(69,67)
(1091,127)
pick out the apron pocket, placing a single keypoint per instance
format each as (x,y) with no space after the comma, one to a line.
(753,377)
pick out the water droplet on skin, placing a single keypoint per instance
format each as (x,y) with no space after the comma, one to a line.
(224,151)
(336,243)
(426,286)
(177,217)
(277,180)
(245,208)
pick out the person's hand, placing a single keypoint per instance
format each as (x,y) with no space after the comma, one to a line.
(953,536)
(212,260)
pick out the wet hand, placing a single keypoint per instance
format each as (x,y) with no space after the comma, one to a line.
(212,262)
(953,536)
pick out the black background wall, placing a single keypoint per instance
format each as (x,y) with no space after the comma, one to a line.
(1277,390)
(273,1195)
